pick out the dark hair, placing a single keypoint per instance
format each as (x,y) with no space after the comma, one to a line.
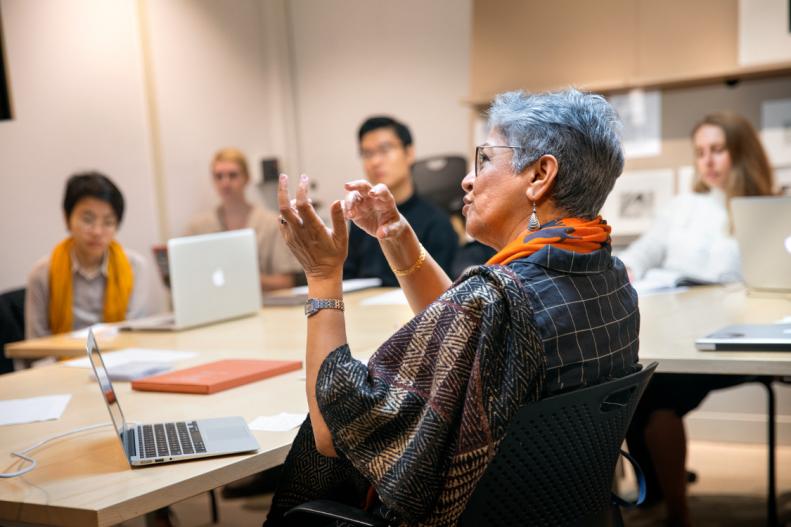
(92,185)
(382,121)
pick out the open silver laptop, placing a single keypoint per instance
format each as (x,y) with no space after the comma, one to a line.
(762,226)
(213,277)
(748,337)
(147,444)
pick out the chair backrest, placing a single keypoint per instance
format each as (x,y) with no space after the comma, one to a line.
(438,180)
(12,323)
(555,465)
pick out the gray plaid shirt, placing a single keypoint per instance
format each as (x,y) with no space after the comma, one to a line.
(587,314)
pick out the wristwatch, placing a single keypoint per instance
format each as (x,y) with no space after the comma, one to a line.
(314,305)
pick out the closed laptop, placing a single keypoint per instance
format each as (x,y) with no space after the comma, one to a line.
(748,337)
(762,226)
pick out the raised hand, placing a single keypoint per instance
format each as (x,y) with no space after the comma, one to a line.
(373,209)
(320,250)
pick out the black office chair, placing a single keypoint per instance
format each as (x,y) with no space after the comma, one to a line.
(438,180)
(12,323)
(555,466)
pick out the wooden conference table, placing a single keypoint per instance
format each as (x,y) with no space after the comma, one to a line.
(85,480)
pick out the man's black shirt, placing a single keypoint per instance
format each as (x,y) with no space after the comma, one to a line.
(433,229)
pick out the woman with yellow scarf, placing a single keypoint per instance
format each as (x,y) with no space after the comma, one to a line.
(89,277)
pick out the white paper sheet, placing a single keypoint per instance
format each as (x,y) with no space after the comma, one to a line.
(281,422)
(99,330)
(391,298)
(30,410)
(126,355)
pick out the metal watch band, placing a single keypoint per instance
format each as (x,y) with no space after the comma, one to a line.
(314,305)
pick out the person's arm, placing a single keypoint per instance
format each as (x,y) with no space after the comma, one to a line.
(422,283)
(138,306)
(37,303)
(321,251)
(374,210)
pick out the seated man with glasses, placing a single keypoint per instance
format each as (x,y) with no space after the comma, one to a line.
(388,154)
(89,277)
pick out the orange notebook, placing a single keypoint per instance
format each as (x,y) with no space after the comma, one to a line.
(215,376)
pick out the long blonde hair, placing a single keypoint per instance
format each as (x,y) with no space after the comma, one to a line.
(751,174)
(231,154)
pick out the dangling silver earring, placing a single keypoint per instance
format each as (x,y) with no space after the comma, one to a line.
(534,224)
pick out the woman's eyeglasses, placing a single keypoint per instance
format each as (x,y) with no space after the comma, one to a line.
(481,156)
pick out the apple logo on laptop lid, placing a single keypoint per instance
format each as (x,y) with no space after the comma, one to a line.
(218,278)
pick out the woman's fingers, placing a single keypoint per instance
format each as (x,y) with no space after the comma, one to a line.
(382,193)
(360,185)
(284,203)
(338,222)
(305,206)
(351,202)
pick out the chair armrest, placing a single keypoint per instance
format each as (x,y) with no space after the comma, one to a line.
(337,511)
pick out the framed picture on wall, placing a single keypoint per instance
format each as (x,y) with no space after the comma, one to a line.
(776,131)
(5,96)
(636,199)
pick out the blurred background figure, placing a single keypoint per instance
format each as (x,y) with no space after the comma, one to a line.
(89,277)
(387,154)
(230,175)
(693,236)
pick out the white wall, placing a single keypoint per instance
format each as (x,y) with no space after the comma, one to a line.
(354,58)
(78,101)
(146,91)
(211,89)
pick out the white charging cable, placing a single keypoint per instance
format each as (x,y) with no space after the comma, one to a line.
(21,453)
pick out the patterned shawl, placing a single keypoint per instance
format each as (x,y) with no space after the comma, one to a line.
(423,420)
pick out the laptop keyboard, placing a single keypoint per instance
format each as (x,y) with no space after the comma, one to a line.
(170,439)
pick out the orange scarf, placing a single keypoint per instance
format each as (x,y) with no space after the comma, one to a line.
(117,292)
(570,234)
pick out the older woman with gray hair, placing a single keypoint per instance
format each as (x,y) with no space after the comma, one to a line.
(410,433)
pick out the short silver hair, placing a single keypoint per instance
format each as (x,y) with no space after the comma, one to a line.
(581,130)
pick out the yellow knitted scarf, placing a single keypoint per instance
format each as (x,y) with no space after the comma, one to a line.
(117,292)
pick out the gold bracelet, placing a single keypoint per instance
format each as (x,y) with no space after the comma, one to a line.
(421,259)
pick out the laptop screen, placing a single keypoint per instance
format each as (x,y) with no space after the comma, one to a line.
(105,385)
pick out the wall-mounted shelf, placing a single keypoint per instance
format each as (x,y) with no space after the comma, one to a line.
(761,71)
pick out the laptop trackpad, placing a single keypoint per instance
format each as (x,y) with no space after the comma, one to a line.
(227,434)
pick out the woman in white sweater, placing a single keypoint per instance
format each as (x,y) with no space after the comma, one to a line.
(692,238)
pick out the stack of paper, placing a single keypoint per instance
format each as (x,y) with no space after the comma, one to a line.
(45,408)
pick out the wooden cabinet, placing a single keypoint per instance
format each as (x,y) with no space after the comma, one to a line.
(678,39)
(540,45)
(604,45)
